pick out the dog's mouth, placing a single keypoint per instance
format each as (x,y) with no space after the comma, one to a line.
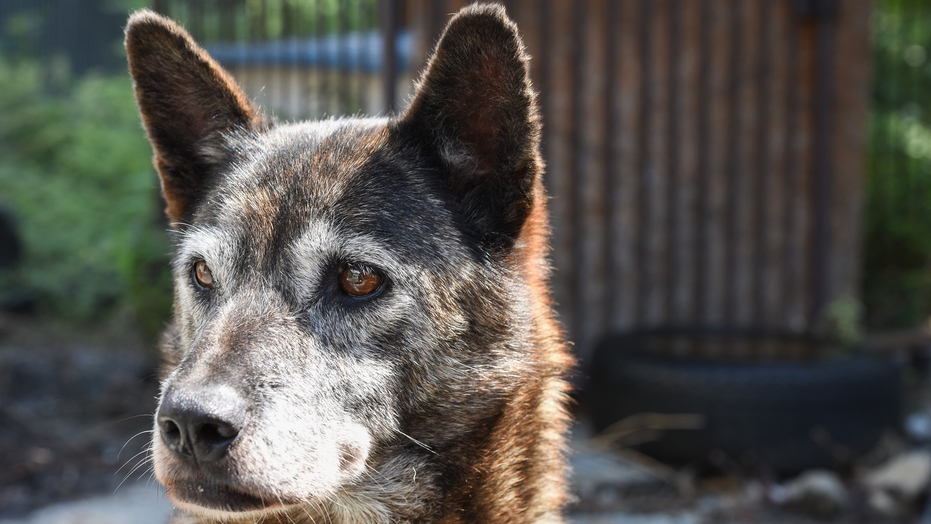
(213,497)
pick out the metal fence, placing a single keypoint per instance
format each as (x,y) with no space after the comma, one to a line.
(305,59)
(897,240)
(704,157)
(86,33)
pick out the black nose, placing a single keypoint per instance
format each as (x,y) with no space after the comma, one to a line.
(200,424)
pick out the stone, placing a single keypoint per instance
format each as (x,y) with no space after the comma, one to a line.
(634,518)
(817,492)
(136,504)
(895,484)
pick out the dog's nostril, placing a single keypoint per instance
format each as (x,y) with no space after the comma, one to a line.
(174,436)
(170,431)
(216,433)
(211,439)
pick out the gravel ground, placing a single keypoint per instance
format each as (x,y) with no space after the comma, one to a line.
(68,415)
(133,504)
(75,416)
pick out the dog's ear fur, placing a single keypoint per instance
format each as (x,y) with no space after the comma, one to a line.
(187,102)
(476,109)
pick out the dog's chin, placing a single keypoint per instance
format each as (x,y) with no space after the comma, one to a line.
(221,502)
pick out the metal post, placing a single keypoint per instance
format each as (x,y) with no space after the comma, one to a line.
(389,32)
(824,96)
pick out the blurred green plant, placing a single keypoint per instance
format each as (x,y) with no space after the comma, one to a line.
(76,169)
(897,249)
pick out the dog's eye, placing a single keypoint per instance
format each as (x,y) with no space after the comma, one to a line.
(202,274)
(359,280)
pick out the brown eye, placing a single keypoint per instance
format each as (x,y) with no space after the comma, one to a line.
(202,274)
(358,281)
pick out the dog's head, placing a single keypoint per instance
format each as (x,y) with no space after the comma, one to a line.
(349,294)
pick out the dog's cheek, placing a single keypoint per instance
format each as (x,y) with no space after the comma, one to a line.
(188,313)
(190,310)
(324,448)
(326,412)
(367,393)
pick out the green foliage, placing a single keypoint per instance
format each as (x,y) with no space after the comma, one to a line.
(257,20)
(897,250)
(76,168)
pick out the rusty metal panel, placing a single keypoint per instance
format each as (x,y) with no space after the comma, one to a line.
(704,158)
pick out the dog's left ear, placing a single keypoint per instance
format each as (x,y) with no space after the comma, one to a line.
(475,108)
(188,104)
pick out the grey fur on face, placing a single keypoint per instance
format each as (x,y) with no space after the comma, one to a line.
(434,396)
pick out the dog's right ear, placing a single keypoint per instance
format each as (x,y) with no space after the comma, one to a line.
(187,102)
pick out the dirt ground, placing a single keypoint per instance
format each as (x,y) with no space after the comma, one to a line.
(69,410)
(75,415)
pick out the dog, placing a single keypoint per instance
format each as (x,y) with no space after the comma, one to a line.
(362,329)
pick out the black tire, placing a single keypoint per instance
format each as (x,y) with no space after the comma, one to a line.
(788,415)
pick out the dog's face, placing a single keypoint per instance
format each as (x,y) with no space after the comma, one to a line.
(346,291)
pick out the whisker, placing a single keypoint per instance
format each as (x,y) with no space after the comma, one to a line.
(419,443)
(311,517)
(148,471)
(136,467)
(131,439)
(132,417)
(146,450)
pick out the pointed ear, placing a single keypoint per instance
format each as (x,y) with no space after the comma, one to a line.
(475,108)
(188,102)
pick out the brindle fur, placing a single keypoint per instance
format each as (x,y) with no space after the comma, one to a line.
(442,398)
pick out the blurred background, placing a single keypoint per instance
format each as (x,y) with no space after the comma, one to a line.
(741,202)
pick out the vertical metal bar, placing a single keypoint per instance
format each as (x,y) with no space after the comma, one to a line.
(278,94)
(227,21)
(792,175)
(292,28)
(342,58)
(575,207)
(326,69)
(701,175)
(824,94)
(914,204)
(760,239)
(358,70)
(543,65)
(643,165)
(673,210)
(437,16)
(611,178)
(389,33)
(732,198)
(899,98)
(288,20)
(261,22)
(195,22)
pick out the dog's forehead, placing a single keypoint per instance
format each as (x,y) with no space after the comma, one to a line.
(305,166)
(293,173)
(346,172)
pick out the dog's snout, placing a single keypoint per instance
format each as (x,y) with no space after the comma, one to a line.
(200,425)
